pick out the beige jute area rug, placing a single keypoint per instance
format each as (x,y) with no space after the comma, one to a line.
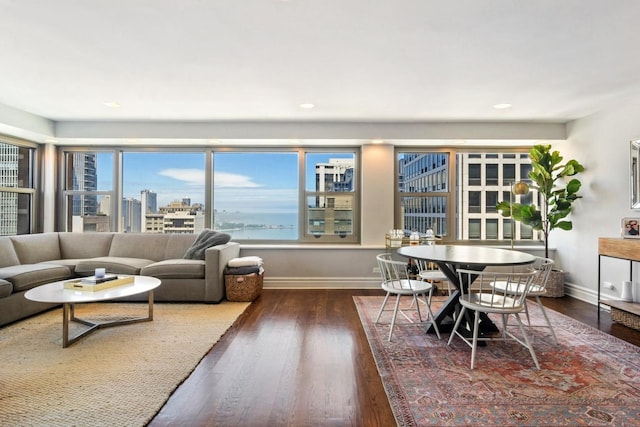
(119,376)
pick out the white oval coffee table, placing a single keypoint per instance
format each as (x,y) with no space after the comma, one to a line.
(56,293)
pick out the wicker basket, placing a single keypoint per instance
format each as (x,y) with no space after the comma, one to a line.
(555,284)
(243,288)
(628,319)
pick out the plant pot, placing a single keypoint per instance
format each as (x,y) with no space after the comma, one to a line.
(555,284)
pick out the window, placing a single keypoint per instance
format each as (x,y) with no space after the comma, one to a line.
(475,177)
(16,189)
(492,229)
(491,174)
(422,207)
(491,201)
(171,184)
(88,192)
(506,228)
(279,195)
(475,204)
(478,183)
(330,191)
(255,195)
(508,173)
(475,231)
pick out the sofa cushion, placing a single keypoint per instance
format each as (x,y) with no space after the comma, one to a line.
(8,255)
(117,265)
(34,248)
(139,245)
(205,239)
(27,276)
(71,263)
(84,245)
(6,288)
(175,269)
(178,245)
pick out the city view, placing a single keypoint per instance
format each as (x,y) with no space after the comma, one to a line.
(165,192)
(256,196)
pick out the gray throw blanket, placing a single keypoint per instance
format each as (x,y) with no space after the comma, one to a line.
(206,239)
(239,271)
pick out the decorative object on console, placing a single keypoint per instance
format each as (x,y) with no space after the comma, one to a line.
(630,228)
(90,284)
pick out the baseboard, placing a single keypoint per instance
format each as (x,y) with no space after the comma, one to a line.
(581,293)
(321,282)
(587,295)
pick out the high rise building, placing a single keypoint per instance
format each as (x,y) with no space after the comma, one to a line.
(104,205)
(183,222)
(131,215)
(9,158)
(483,180)
(333,214)
(424,173)
(85,178)
(148,206)
(148,201)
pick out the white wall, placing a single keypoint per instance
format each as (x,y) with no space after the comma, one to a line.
(601,143)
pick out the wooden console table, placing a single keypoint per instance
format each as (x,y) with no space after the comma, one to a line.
(627,249)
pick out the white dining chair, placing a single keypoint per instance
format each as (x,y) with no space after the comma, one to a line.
(542,267)
(396,281)
(429,272)
(477,295)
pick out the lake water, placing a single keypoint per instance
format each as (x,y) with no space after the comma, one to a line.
(258,226)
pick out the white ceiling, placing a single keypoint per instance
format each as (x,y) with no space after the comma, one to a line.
(356,60)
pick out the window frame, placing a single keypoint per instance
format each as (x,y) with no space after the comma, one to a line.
(31,190)
(483,156)
(304,217)
(449,194)
(116,192)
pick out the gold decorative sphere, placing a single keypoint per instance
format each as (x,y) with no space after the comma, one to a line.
(520,188)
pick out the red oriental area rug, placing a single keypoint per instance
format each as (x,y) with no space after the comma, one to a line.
(590,378)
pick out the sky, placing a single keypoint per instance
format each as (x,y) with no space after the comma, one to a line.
(242,181)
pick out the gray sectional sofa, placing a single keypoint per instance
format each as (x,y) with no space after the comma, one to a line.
(27,261)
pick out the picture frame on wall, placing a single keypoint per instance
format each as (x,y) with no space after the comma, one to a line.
(631,228)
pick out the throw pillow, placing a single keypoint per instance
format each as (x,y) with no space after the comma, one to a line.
(206,239)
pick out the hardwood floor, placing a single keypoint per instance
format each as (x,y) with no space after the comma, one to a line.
(301,358)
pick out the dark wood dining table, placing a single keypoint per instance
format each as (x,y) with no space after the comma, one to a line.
(449,259)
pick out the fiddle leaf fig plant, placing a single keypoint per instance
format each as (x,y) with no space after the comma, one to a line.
(557,195)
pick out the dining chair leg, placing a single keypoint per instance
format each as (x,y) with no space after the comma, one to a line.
(433,322)
(546,318)
(454,331)
(505,322)
(526,340)
(526,311)
(476,326)
(393,319)
(417,303)
(384,303)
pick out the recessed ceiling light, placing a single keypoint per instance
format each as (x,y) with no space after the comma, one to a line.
(306,105)
(111,104)
(502,106)
(377,141)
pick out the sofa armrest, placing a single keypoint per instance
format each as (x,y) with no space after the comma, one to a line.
(216,259)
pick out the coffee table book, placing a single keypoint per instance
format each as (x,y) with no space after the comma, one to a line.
(86,284)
